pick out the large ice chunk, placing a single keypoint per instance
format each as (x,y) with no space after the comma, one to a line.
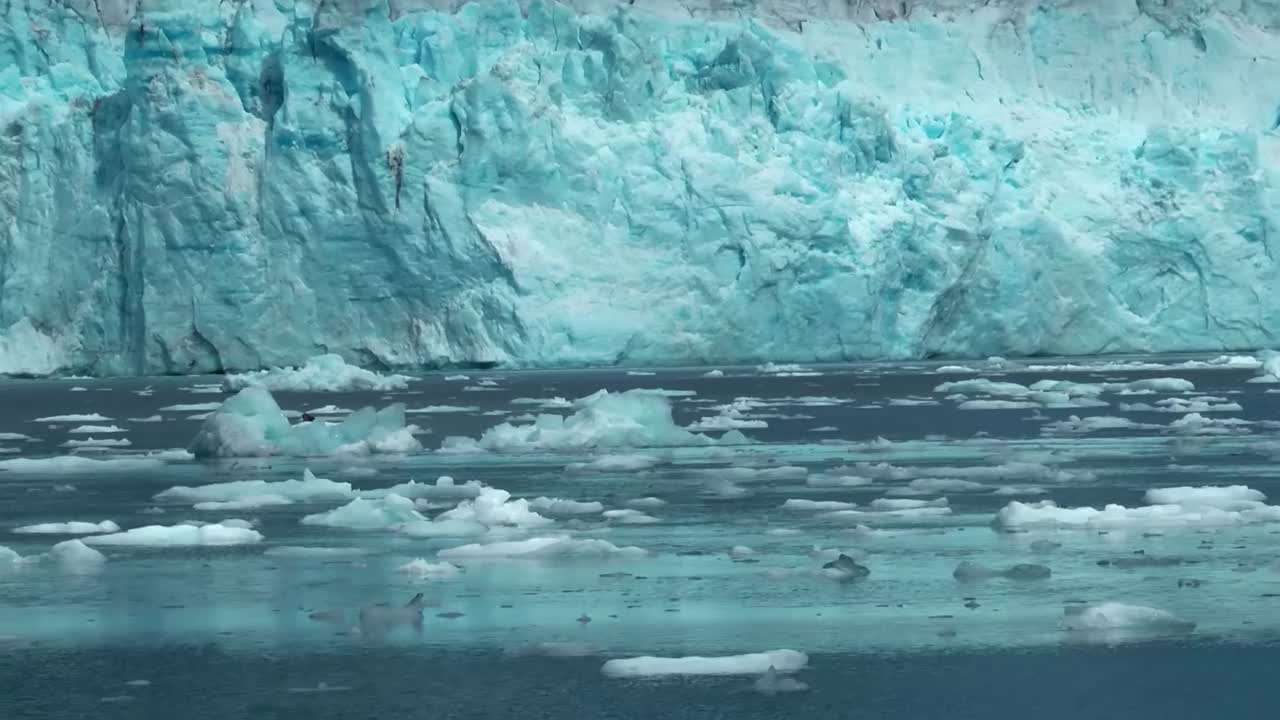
(635,418)
(253,492)
(323,373)
(385,513)
(251,424)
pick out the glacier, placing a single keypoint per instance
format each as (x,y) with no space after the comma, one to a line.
(213,186)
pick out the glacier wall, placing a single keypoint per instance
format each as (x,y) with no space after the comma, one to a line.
(205,185)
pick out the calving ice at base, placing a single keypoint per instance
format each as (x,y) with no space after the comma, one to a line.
(232,186)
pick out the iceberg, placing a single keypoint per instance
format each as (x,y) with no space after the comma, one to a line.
(696,182)
(631,419)
(251,424)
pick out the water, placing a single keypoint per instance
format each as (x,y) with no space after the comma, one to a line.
(233,631)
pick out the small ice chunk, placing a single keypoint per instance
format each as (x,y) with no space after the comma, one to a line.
(75,555)
(893,504)
(1118,616)
(444,489)
(147,419)
(91,429)
(558,506)
(773,683)
(97,443)
(803,504)
(309,489)
(713,374)
(781,661)
(630,516)
(385,513)
(741,551)
(646,503)
(179,536)
(250,502)
(69,528)
(77,418)
(10,436)
(421,568)
(442,409)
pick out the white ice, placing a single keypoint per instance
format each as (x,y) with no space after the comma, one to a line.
(782,661)
(323,373)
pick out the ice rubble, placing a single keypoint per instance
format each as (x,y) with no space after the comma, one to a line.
(251,424)
(515,198)
(1168,507)
(635,418)
(323,373)
(213,534)
(781,661)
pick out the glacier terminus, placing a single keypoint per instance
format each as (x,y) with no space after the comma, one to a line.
(192,186)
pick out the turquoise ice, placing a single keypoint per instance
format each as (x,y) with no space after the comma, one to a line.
(191,185)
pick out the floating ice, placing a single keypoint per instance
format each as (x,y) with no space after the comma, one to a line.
(97,443)
(192,407)
(442,409)
(69,528)
(630,516)
(309,489)
(323,373)
(1118,616)
(1197,424)
(148,419)
(539,548)
(420,567)
(300,551)
(781,661)
(617,463)
(251,424)
(14,436)
(91,417)
(932,485)
(732,416)
(495,508)
(553,403)
(249,502)
(1227,498)
(894,504)
(385,513)
(557,506)
(646,503)
(444,489)
(213,534)
(635,418)
(75,555)
(713,374)
(803,504)
(91,429)
(1177,507)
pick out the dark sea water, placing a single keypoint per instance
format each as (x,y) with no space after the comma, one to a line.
(232,632)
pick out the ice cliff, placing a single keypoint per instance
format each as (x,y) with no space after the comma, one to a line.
(202,185)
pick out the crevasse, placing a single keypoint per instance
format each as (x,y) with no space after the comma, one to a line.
(195,185)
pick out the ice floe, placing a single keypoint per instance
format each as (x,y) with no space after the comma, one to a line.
(213,534)
(539,548)
(74,527)
(1170,507)
(309,489)
(781,661)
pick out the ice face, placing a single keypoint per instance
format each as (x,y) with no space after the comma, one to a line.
(698,181)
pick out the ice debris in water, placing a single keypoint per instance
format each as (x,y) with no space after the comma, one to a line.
(213,534)
(494,507)
(971,571)
(538,548)
(422,568)
(1270,371)
(75,555)
(251,424)
(780,661)
(773,683)
(635,418)
(558,506)
(444,489)
(323,373)
(804,504)
(732,416)
(1109,616)
(259,493)
(81,418)
(69,528)
(91,429)
(1169,507)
